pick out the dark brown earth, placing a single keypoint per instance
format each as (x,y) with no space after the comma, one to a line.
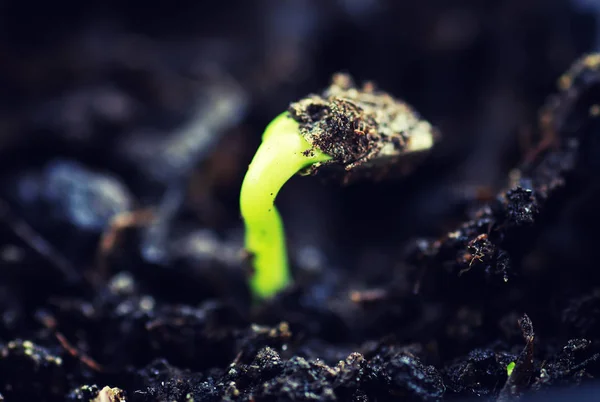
(125,132)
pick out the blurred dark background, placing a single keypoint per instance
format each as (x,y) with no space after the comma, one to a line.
(166,101)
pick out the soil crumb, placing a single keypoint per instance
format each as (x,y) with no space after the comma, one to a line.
(361,127)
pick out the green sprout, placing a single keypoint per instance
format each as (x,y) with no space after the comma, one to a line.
(348,131)
(510,368)
(282,153)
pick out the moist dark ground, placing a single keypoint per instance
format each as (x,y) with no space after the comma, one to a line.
(114,110)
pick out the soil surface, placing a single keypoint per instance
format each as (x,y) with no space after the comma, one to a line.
(125,133)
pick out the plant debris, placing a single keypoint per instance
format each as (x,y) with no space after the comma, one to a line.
(361,127)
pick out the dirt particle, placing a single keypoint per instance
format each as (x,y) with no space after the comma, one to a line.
(360,127)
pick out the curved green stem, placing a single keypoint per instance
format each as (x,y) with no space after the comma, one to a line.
(282,153)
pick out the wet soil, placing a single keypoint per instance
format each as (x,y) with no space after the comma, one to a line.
(124,138)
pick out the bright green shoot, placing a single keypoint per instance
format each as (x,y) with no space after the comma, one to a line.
(510,368)
(282,153)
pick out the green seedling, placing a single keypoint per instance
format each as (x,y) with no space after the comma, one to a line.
(359,132)
(510,367)
(282,153)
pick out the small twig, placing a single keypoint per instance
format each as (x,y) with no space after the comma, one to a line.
(50,323)
(368,296)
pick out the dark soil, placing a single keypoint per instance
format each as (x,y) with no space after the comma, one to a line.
(125,133)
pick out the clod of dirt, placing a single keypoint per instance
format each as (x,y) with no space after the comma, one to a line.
(389,375)
(259,337)
(481,372)
(124,322)
(496,233)
(571,365)
(161,382)
(299,379)
(402,376)
(31,372)
(85,393)
(520,207)
(361,127)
